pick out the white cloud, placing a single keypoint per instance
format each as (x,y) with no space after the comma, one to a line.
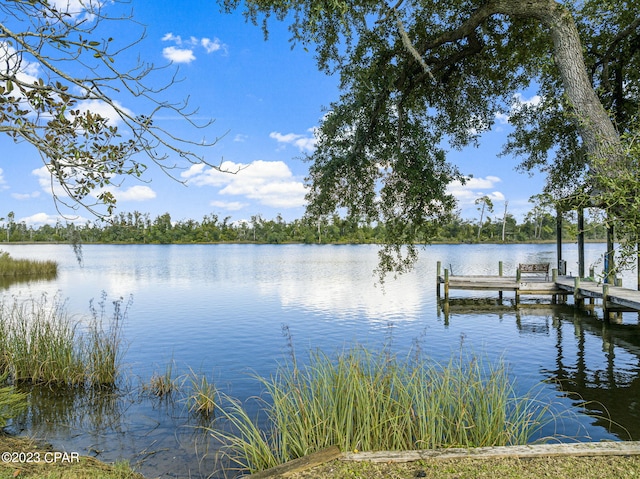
(228,205)
(134,193)
(170,37)
(502,118)
(303,142)
(183,49)
(47,184)
(40,219)
(212,45)
(535,100)
(474,188)
(178,55)
(25,196)
(518,102)
(3,183)
(271,183)
(104,110)
(75,8)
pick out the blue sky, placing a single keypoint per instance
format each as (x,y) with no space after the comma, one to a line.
(266,100)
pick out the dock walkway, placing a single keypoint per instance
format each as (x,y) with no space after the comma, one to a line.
(613,297)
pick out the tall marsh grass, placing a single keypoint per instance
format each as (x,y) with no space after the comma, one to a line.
(10,267)
(42,344)
(372,400)
(12,402)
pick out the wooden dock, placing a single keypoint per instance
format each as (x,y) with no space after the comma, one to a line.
(614,298)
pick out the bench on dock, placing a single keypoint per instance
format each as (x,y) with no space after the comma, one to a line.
(534,268)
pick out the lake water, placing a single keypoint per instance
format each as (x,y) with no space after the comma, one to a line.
(219,310)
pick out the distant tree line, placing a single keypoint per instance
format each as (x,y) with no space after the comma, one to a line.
(135,227)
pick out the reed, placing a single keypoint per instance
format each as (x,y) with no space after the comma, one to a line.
(371,400)
(103,341)
(12,402)
(204,396)
(42,344)
(10,267)
(163,385)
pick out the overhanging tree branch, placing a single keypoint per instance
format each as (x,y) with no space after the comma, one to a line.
(63,90)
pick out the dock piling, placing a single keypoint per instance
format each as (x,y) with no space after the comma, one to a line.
(615,298)
(446,284)
(577,297)
(500,271)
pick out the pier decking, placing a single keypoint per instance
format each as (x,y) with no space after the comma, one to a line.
(614,298)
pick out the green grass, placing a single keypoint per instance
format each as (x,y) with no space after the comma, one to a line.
(12,402)
(163,385)
(10,267)
(84,468)
(372,400)
(204,396)
(42,344)
(569,467)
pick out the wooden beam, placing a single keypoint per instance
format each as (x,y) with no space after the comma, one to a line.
(300,464)
(622,448)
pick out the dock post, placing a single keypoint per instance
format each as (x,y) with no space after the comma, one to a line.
(500,274)
(446,284)
(559,236)
(577,297)
(554,278)
(610,255)
(605,298)
(438,267)
(581,242)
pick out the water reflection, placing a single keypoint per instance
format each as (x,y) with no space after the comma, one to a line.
(606,384)
(85,410)
(220,309)
(7,281)
(157,436)
(597,361)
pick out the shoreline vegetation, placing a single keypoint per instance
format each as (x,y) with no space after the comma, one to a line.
(356,399)
(42,344)
(29,268)
(139,228)
(371,400)
(565,466)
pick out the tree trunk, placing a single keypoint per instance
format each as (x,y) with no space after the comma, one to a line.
(596,129)
(600,137)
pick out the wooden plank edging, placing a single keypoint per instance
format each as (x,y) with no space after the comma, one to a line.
(300,464)
(622,448)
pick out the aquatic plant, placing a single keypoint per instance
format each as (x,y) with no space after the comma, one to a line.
(372,400)
(10,267)
(12,402)
(204,396)
(42,344)
(103,341)
(163,385)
